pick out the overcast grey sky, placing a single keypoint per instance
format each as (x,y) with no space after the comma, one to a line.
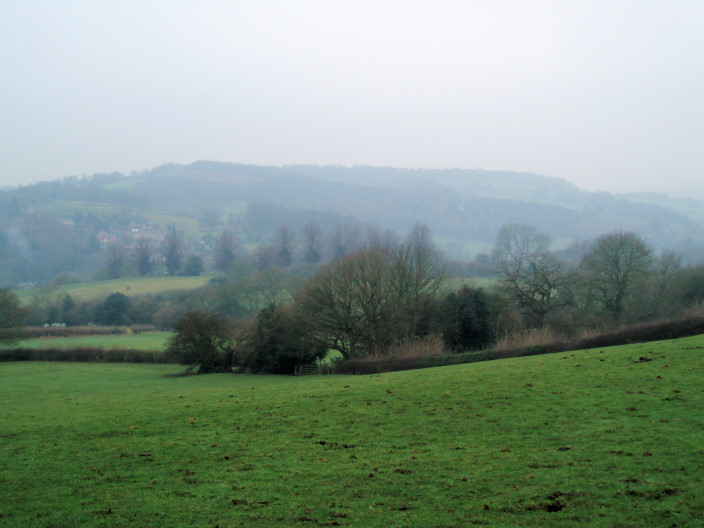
(606,94)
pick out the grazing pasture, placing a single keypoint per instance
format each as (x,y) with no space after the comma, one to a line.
(89,291)
(455,283)
(161,219)
(605,437)
(141,341)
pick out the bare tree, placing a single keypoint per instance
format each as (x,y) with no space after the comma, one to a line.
(343,240)
(226,247)
(364,302)
(263,257)
(312,242)
(667,269)
(612,270)
(114,260)
(657,289)
(420,236)
(531,276)
(376,237)
(43,296)
(331,299)
(284,245)
(420,274)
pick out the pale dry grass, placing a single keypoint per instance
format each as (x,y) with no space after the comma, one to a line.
(432,345)
(529,338)
(694,310)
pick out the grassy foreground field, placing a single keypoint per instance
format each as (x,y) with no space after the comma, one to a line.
(606,437)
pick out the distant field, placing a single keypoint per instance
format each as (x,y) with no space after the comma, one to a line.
(128,286)
(142,341)
(467,249)
(456,283)
(601,438)
(67,208)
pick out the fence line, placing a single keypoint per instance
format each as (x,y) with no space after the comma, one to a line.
(306,370)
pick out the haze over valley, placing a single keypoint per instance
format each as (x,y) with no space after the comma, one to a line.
(464,209)
(351,263)
(604,95)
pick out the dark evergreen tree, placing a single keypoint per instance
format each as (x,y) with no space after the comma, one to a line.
(113,311)
(469,322)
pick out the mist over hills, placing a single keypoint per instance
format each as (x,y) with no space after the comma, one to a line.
(463,205)
(464,208)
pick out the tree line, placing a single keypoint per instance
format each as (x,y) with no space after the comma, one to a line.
(617,279)
(389,293)
(367,303)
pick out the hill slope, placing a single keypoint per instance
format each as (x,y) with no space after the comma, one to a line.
(599,438)
(463,204)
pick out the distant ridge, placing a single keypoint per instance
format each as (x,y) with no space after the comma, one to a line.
(464,207)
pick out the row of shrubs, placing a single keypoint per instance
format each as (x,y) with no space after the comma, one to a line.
(654,331)
(84,354)
(392,364)
(639,333)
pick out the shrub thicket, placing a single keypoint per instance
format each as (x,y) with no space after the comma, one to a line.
(205,341)
(469,321)
(655,331)
(280,341)
(392,364)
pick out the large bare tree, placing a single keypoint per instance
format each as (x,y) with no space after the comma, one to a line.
(114,260)
(312,242)
(226,247)
(364,302)
(284,246)
(531,276)
(614,270)
(344,239)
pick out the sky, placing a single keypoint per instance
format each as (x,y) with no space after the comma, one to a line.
(608,95)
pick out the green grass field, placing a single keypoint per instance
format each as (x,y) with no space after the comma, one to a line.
(142,341)
(130,286)
(609,437)
(67,208)
(455,283)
